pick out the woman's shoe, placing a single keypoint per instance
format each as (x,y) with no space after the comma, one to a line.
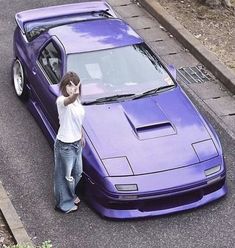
(73,209)
(77,201)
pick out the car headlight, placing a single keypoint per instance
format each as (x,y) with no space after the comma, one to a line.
(126,187)
(205,150)
(118,166)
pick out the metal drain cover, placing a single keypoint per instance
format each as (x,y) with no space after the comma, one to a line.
(191,75)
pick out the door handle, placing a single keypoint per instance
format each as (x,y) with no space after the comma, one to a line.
(34,71)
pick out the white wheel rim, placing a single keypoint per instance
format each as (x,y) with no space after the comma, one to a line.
(18,77)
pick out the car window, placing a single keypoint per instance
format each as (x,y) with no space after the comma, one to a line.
(50,60)
(131,69)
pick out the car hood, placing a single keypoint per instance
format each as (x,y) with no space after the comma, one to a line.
(153,134)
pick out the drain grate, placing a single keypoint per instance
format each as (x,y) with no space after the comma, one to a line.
(191,75)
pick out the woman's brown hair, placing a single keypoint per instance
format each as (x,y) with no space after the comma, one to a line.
(66,79)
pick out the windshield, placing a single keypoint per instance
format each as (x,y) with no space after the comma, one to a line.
(125,70)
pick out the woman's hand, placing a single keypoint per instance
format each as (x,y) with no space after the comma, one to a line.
(83,141)
(75,88)
(73,92)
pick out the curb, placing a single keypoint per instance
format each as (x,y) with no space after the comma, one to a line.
(14,223)
(207,58)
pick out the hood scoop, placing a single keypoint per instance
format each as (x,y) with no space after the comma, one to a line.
(147,119)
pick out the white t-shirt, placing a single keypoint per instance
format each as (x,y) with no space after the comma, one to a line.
(70,118)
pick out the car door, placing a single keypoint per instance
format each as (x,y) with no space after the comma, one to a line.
(47,73)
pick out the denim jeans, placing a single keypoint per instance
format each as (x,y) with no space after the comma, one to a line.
(67,174)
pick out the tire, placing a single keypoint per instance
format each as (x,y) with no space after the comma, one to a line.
(18,79)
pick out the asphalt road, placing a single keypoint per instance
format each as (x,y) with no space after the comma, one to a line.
(26,167)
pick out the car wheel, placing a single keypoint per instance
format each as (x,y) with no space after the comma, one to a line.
(19,80)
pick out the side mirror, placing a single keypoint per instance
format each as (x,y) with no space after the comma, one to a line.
(172,70)
(54,89)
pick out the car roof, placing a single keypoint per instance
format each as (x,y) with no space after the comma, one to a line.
(95,35)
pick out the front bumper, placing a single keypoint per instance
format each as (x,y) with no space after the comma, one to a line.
(160,205)
(160,193)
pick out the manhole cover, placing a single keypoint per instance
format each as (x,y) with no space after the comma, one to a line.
(192,75)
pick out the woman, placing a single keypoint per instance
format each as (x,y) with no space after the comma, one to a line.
(68,144)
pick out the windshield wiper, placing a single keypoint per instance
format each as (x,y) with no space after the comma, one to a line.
(104,13)
(107,99)
(153,91)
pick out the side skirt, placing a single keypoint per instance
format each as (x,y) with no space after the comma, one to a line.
(44,124)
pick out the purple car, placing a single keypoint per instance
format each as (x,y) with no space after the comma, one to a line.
(148,150)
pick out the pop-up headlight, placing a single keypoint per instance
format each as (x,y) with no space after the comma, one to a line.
(117,166)
(205,150)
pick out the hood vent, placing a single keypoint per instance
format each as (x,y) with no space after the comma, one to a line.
(147,119)
(154,130)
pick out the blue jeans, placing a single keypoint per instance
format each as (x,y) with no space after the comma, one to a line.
(67,174)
